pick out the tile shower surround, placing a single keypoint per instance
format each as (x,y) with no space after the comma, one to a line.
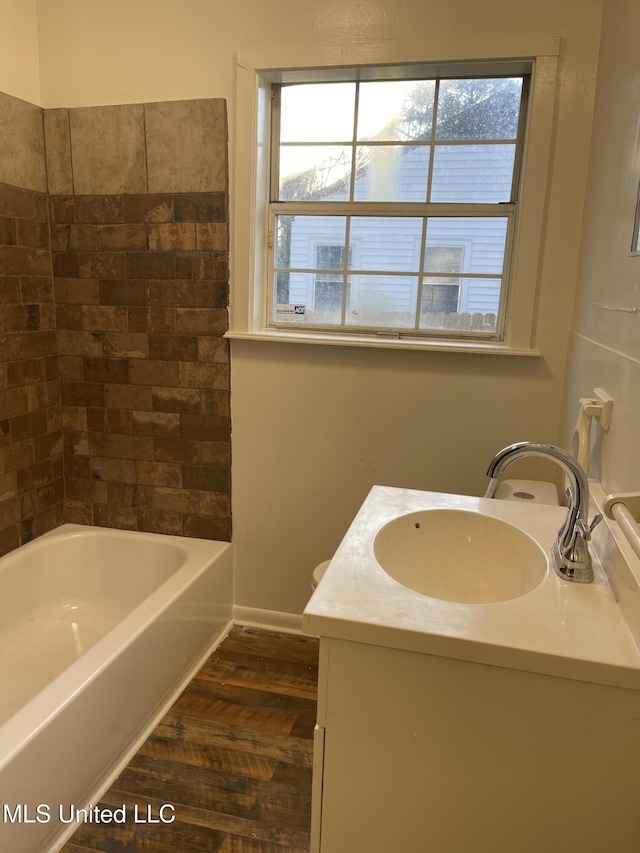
(140,406)
(141,295)
(31,471)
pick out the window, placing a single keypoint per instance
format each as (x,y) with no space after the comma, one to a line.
(422,175)
(406,301)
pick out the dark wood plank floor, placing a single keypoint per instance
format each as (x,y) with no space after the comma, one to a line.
(233,757)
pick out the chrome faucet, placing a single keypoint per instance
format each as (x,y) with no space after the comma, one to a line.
(570,552)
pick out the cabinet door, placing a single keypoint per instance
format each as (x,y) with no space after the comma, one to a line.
(425,754)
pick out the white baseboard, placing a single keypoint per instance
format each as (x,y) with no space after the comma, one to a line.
(274,620)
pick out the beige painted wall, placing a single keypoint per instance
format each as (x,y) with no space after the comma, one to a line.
(605,334)
(313,428)
(19,71)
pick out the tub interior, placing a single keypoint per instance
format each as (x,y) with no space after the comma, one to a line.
(61,596)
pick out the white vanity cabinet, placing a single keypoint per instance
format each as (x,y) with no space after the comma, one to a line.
(446,726)
(418,753)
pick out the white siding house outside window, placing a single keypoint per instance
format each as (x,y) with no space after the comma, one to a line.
(393,204)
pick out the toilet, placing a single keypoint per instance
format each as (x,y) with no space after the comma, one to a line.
(318,574)
(534,491)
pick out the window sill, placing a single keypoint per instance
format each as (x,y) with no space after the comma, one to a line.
(475,347)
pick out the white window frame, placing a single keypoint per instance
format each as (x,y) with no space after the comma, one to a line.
(250,182)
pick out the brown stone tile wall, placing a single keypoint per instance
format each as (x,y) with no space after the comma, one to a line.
(141,291)
(31,469)
(113,301)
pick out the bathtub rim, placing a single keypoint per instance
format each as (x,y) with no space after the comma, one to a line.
(114,770)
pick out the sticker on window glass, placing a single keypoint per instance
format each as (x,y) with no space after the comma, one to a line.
(285,312)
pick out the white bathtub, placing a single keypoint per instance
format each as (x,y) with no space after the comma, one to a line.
(99,631)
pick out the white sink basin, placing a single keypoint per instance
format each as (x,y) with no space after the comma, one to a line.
(462,556)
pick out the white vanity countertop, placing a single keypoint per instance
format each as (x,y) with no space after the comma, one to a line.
(561,628)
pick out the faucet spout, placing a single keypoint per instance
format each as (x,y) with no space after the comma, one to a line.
(570,552)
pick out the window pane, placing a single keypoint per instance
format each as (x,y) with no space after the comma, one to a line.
(283,241)
(299,237)
(472,173)
(439,297)
(382,300)
(479,109)
(330,257)
(395,110)
(386,243)
(315,173)
(480,295)
(306,298)
(460,305)
(327,299)
(293,289)
(282,288)
(305,108)
(465,243)
(391,173)
(444,259)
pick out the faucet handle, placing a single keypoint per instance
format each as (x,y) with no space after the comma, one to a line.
(585,529)
(597,518)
